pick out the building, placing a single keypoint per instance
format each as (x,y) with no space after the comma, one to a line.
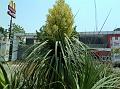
(18,47)
(4,48)
(105,44)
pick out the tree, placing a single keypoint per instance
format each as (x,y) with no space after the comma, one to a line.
(41,34)
(17,28)
(117,29)
(3,31)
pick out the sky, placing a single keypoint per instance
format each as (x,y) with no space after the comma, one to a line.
(31,14)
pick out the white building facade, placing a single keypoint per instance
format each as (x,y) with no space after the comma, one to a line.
(30,38)
(106,42)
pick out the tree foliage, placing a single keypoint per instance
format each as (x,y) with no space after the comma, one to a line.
(41,34)
(3,31)
(117,29)
(17,28)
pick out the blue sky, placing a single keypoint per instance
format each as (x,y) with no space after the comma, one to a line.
(31,14)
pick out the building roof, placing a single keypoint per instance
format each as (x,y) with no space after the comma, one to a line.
(99,33)
(81,33)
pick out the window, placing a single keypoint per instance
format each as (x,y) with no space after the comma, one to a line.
(29,41)
(116,38)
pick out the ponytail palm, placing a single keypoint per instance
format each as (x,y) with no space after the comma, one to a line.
(55,66)
(65,65)
(4,80)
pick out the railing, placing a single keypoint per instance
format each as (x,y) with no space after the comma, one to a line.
(97,45)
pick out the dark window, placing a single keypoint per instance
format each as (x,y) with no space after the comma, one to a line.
(29,41)
(94,40)
(91,40)
(116,38)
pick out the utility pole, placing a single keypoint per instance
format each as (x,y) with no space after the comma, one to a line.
(11,40)
(11,12)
